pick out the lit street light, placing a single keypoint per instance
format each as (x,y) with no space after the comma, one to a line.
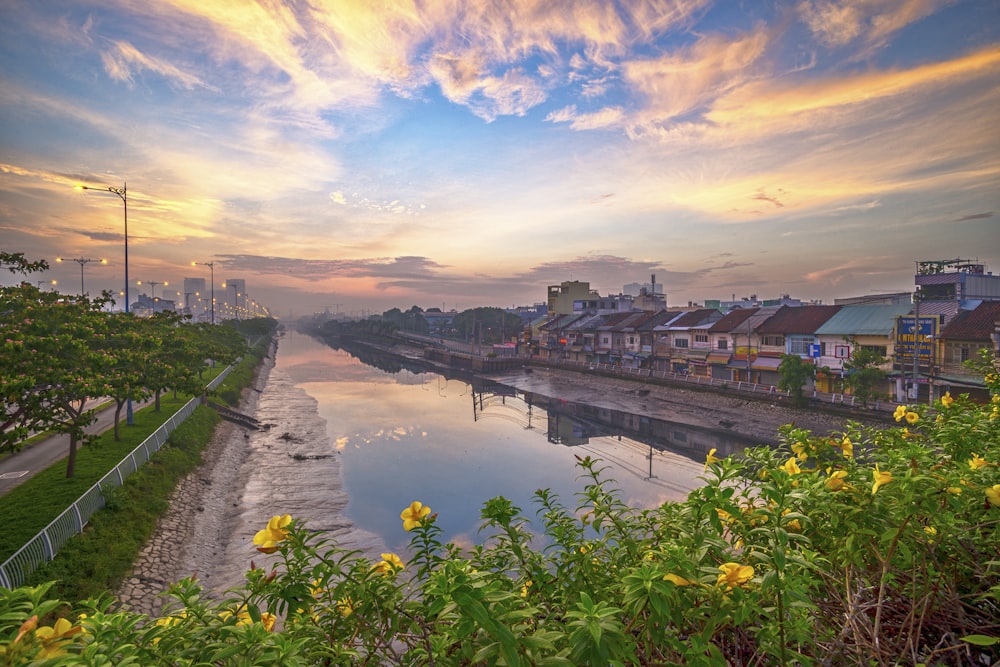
(121,193)
(82,261)
(210,265)
(39,283)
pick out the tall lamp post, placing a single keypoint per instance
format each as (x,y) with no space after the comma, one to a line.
(83,261)
(121,193)
(210,265)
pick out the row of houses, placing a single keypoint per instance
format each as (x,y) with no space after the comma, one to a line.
(925,350)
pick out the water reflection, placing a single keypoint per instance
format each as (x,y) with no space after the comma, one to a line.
(404,433)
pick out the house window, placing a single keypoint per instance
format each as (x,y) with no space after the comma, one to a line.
(680,342)
(723,344)
(799,344)
(605,340)
(772,341)
(631,340)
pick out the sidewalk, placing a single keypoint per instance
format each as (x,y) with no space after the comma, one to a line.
(23,465)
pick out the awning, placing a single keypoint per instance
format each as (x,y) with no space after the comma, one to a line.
(719,357)
(765,364)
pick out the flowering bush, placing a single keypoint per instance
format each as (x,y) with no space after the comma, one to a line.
(856,548)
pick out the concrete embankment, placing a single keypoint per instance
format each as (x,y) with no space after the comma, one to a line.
(194,530)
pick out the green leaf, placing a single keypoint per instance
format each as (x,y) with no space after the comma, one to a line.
(981,640)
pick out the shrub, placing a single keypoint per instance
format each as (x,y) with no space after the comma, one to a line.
(858,548)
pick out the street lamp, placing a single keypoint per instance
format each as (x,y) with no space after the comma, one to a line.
(82,261)
(152,284)
(39,283)
(210,265)
(122,194)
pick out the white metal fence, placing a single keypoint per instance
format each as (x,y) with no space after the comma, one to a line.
(44,546)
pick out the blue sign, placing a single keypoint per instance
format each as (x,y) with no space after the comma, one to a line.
(814,351)
(915,337)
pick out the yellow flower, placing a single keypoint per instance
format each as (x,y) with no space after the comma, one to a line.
(954,490)
(836,481)
(677,580)
(993,495)
(900,412)
(947,400)
(414,515)
(389,565)
(524,589)
(930,530)
(734,574)
(55,636)
(791,467)
(799,448)
(711,458)
(977,462)
(724,515)
(912,418)
(847,447)
(345,607)
(267,540)
(881,479)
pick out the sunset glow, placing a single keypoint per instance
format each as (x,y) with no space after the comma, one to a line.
(380,153)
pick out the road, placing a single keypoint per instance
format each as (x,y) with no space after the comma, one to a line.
(23,465)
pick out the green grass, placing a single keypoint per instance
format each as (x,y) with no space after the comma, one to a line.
(31,506)
(96,561)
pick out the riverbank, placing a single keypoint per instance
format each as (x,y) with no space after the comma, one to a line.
(192,532)
(716,411)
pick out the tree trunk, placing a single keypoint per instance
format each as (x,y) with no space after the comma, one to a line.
(71,459)
(119,403)
(157,397)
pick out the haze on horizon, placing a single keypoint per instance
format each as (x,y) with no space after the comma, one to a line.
(374,154)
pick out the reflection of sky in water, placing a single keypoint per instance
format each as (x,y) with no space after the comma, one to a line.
(408,437)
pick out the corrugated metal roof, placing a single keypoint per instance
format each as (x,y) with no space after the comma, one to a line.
(870,320)
(798,320)
(978,324)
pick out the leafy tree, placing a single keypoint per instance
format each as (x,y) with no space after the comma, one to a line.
(125,347)
(52,363)
(863,374)
(487,325)
(794,372)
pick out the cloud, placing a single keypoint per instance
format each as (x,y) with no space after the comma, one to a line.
(123,59)
(604,118)
(322,269)
(871,22)
(975,216)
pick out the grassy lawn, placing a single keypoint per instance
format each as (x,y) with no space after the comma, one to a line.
(31,506)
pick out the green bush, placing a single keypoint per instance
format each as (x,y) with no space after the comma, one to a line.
(868,547)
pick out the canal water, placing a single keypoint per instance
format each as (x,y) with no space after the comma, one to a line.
(352,444)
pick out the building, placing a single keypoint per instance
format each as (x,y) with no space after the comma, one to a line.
(562,296)
(855,327)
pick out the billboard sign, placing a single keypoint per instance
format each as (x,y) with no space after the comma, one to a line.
(915,336)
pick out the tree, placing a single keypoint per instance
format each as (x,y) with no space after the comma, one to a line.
(794,372)
(862,372)
(52,365)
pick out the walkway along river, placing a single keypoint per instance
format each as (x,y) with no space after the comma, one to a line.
(350,445)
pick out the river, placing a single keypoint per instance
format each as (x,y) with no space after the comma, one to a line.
(349,446)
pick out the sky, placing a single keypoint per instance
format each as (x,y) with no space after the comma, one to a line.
(369,154)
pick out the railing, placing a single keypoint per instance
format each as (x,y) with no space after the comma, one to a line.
(44,546)
(717,383)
